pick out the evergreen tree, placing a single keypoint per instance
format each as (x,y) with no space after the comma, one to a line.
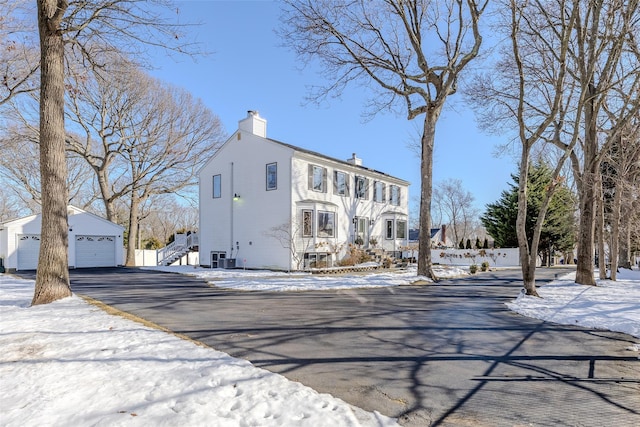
(461,245)
(558,231)
(485,245)
(468,244)
(478,245)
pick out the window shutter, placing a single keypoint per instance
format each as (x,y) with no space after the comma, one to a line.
(335,182)
(366,189)
(324,180)
(384,193)
(346,184)
(310,180)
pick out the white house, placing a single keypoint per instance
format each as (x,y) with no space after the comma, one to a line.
(93,241)
(267,204)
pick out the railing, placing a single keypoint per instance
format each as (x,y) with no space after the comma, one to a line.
(181,244)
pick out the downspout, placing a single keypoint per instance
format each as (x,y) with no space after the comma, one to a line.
(231,212)
(293,216)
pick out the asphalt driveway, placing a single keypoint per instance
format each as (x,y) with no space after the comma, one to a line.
(449,354)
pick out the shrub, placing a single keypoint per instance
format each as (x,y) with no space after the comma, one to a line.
(484,266)
(473,268)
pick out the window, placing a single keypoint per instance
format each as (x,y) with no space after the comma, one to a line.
(389,229)
(272,176)
(317,178)
(340,183)
(401,229)
(307,223)
(361,187)
(378,192)
(394,195)
(217,187)
(326,224)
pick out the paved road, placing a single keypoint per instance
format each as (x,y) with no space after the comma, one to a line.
(449,354)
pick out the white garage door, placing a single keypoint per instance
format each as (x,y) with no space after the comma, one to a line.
(95,251)
(28,250)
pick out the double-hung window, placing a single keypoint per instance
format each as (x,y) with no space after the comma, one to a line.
(394,195)
(307,223)
(217,186)
(317,178)
(401,229)
(272,176)
(378,192)
(388,234)
(340,183)
(361,187)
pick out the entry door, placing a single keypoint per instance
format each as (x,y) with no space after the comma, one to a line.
(362,229)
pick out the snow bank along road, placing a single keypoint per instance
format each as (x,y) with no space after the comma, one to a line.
(446,354)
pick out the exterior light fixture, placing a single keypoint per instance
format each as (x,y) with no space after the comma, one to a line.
(236,196)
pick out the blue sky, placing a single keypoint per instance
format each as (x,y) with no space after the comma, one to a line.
(249,70)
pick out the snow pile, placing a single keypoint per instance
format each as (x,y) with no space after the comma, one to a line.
(272,281)
(609,305)
(70,363)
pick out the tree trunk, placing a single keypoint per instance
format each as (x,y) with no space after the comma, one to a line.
(527,260)
(615,230)
(52,277)
(425,267)
(584,269)
(105,191)
(133,230)
(600,232)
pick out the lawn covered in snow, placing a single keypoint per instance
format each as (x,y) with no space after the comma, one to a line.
(70,363)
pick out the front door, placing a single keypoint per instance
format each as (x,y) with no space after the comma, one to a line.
(362,230)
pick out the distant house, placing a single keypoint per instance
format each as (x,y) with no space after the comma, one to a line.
(439,237)
(267,204)
(93,241)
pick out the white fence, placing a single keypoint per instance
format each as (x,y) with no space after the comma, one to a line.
(502,257)
(149,257)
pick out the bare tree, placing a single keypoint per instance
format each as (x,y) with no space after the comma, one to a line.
(605,56)
(171,136)
(527,91)
(122,25)
(412,51)
(624,160)
(559,51)
(19,59)
(450,198)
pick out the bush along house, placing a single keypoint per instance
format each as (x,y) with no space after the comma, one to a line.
(267,204)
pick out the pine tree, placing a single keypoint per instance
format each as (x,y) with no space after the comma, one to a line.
(468,246)
(461,245)
(558,231)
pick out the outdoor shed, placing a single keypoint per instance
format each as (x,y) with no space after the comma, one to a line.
(93,241)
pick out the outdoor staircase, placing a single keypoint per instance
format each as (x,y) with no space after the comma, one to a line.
(181,245)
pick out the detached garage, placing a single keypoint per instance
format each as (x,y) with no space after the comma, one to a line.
(93,241)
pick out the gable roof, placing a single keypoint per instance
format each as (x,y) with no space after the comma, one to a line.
(71,210)
(333,159)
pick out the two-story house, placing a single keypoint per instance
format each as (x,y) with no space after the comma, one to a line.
(267,204)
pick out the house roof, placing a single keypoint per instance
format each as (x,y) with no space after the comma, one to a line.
(71,210)
(333,159)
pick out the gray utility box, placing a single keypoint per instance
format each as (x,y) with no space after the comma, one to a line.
(228,263)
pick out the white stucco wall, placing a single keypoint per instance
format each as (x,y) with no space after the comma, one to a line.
(239,227)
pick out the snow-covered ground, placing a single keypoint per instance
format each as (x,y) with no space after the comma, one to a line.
(70,363)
